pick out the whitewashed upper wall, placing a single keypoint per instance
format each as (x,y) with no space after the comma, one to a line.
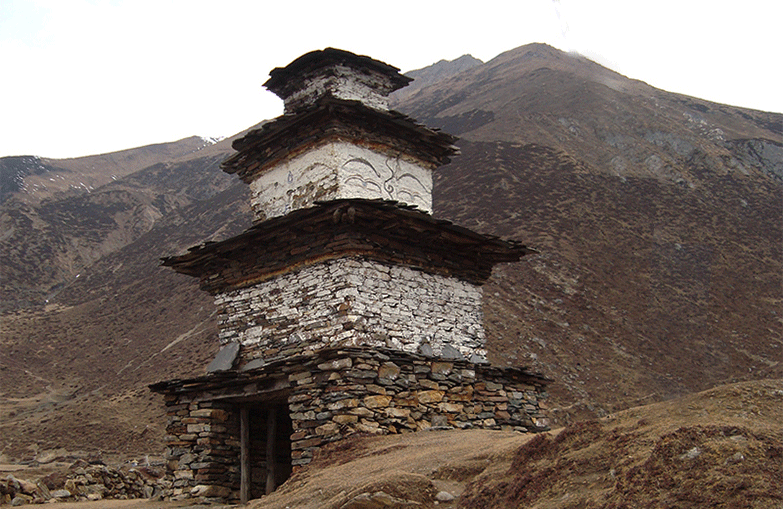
(339,170)
(343,83)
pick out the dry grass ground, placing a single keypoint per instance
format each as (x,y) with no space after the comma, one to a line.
(718,448)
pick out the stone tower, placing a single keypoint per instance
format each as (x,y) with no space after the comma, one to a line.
(346,307)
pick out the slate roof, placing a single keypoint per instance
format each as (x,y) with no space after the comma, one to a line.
(285,80)
(385,231)
(272,377)
(337,119)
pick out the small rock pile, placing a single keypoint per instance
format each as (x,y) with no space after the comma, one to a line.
(85,481)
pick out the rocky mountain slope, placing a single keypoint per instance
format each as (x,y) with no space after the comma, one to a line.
(658,219)
(31,179)
(658,225)
(434,73)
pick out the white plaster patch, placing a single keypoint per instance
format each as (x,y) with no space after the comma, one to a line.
(251,335)
(336,171)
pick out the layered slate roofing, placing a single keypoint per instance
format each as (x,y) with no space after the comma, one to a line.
(336,119)
(380,230)
(284,81)
(273,377)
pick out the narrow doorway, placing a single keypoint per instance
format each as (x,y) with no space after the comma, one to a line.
(266,448)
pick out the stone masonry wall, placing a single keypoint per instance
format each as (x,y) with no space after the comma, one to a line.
(339,170)
(383,392)
(351,302)
(202,447)
(339,393)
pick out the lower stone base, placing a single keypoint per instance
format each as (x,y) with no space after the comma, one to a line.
(322,398)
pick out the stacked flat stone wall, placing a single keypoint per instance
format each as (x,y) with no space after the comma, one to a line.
(375,392)
(202,447)
(337,394)
(353,302)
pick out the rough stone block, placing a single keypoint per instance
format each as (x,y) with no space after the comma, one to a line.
(205,490)
(361,412)
(449,352)
(439,421)
(294,377)
(337,364)
(343,403)
(442,368)
(346,419)
(376,389)
(330,428)
(389,370)
(425,397)
(398,412)
(451,408)
(378,401)
(213,413)
(224,359)
(369,428)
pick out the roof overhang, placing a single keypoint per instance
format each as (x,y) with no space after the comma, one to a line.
(380,230)
(283,81)
(330,119)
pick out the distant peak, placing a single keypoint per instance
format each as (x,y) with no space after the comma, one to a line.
(439,71)
(446,66)
(537,49)
(466,58)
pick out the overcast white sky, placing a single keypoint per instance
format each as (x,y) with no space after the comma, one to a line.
(80,77)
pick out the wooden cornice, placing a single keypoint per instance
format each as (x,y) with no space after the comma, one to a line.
(380,230)
(337,119)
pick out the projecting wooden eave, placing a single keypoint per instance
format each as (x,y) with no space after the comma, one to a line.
(285,80)
(272,376)
(384,231)
(337,119)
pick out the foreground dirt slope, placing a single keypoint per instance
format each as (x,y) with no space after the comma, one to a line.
(718,448)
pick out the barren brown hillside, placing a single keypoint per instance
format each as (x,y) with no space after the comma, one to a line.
(32,179)
(657,218)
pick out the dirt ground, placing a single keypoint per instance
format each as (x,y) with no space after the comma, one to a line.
(718,448)
(411,468)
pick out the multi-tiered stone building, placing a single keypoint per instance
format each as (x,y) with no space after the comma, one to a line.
(346,308)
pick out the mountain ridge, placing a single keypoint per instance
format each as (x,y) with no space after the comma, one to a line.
(655,235)
(32,179)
